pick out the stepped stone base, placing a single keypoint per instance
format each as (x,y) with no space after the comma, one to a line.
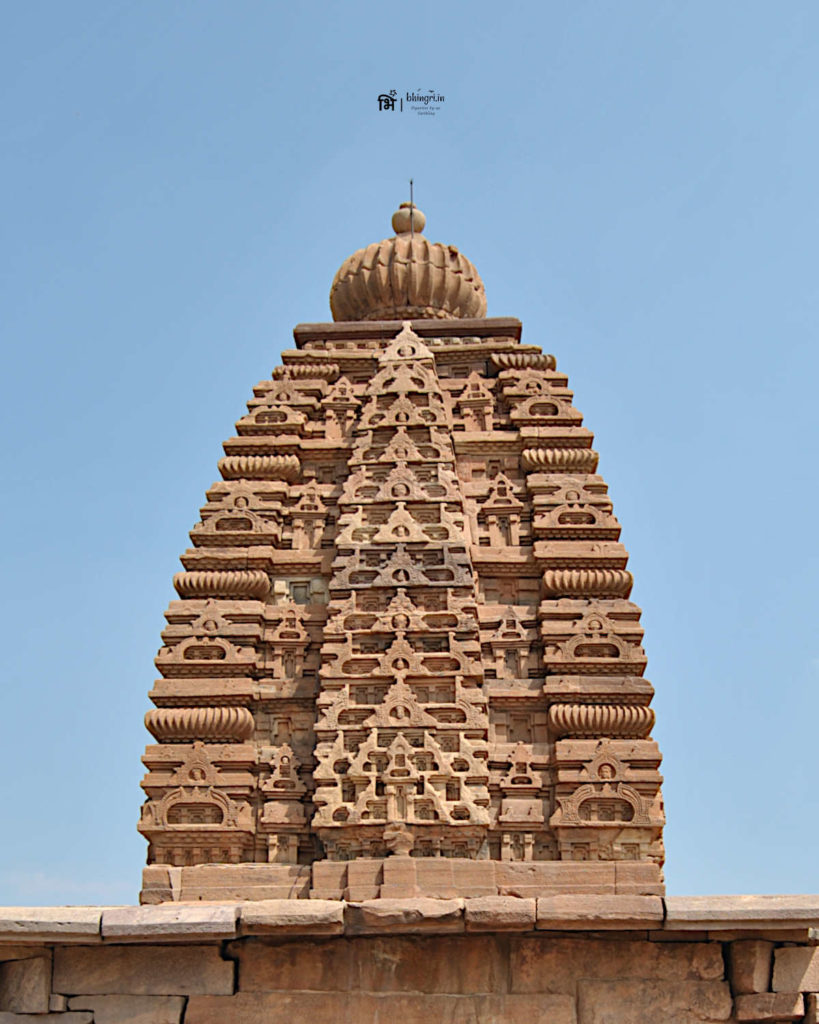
(397,878)
(579,959)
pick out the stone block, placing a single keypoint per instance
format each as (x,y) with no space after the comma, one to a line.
(142,970)
(499,914)
(292,917)
(635,878)
(223,883)
(636,1001)
(472,877)
(22,951)
(796,969)
(378,1008)
(44,924)
(811,1008)
(749,965)
(363,879)
(160,884)
(599,912)
(57,1004)
(552,878)
(774,1006)
(309,965)
(742,913)
(170,922)
(435,878)
(330,879)
(540,964)
(81,1017)
(455,964)
(131,1009)
(404,916)
(25,985)
(400,878)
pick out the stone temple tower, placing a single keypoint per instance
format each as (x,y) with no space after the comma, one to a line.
(403,660)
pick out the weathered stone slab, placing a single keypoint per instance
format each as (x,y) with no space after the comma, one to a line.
(637,1001)
(311,965)
(223,883)
(749,963)
(142,970)
(555,965)
(773,1006)
(296,917)
(457,964)
(404,916)
(549,878)
(169,922)
(811,1008)
(22,951)
(25,985)
(599,912)
(796,969)
(131,1009)
(42,924)
(741,913)
(45,1018)
(330,1008)
(499,913)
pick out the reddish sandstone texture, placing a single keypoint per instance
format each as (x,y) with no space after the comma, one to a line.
(403,661)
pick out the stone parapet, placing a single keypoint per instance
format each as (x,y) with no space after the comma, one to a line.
(565,959)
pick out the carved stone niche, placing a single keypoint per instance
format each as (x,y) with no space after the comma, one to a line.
(500,514)
(283,815)
(475,404)
(594,644)
(195,821)
(307,519)
(512,646)
(287,645)
(612,811)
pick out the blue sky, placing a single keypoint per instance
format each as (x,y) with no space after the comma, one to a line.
(636,181)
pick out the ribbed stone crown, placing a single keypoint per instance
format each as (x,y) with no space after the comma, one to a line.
(407,277)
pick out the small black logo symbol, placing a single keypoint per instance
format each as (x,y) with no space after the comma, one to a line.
(387,100)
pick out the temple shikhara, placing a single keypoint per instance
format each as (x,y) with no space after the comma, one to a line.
(403,659)
(403,765)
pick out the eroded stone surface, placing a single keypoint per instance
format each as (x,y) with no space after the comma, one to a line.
(25,985)
(131,1009)
(376,1008)
(638,1001)
(555,965)
(770,1006)
(750,963)
(142,970)
(796,969)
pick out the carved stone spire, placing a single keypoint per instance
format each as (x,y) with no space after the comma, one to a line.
(404,660)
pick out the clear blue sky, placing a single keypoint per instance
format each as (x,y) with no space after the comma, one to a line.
(637,181)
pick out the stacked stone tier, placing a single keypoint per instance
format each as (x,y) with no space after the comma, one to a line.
(403,624)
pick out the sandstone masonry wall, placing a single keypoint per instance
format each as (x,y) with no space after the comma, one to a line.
(561,960)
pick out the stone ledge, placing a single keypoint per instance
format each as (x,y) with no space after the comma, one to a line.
(582,913)
(686,918)
(171,922)
(50,924)
(730,914)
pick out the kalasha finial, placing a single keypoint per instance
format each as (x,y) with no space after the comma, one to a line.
(404,221)
(407,277)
